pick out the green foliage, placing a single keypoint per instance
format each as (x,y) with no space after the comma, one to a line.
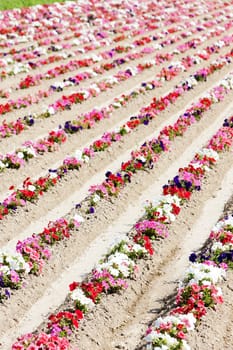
(10,4)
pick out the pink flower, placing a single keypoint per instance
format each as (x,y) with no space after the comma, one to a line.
(32,347)
(181,335)
(14,276)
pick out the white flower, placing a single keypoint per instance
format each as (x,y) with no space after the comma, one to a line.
(170,341)
(177,64)
(150,86)
(167,319)
(51,110)
(31,188)
(116,104)
(78,154)
(229,221)
(96,198)
(171,199)
(96,58)
(5,269)
(2,165)
(79,218)
(219,291)
(86,94)
(175,51)
(86,158)
(189,320)
(158,46)
(205,272)
(209,153)
(116,264)
(133,70)
(95,87)
(30,150)
(220,43)
(112,80)
(142,159)
(133,247)
(79,295)
(58,84)
(149,338)
(52,175)
(20,155)
(217,245)
(14,260)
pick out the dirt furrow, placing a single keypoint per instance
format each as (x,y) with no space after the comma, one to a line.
(105,215)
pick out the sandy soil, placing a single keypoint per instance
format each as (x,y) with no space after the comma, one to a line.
(120,320)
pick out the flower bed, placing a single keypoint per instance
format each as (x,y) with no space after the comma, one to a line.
(30,149)
(110,275)
(140,56)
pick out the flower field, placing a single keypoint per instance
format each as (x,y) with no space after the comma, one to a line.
(116,175)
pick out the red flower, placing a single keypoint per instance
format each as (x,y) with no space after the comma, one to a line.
(79,314)
(148,245)
(73,286)
(175,209)
(138,165)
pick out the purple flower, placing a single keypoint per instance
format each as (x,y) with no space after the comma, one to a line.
(161,145)
(28,120)
(177,181)
(193,257)
(91,210)
(7,293)
(2,285)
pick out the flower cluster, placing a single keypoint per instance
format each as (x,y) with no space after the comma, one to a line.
(172,71)
(47,27)
(30,149)
(198,290)
(196,293)
(64,322)
(41,341)
(109,275)
(169,332)
(34,252)
(13,268)
(158,213)
(188,179)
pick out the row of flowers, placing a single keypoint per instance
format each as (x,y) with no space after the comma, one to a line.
(35,249)
(30,149)
(51,24)
(198,291)
(87,62)
(75,80)
(72,317)
(19,56)
(80,38)
(25,101)
(149,153)
(74,64)
(141,159)
(41,23)
(11,128)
